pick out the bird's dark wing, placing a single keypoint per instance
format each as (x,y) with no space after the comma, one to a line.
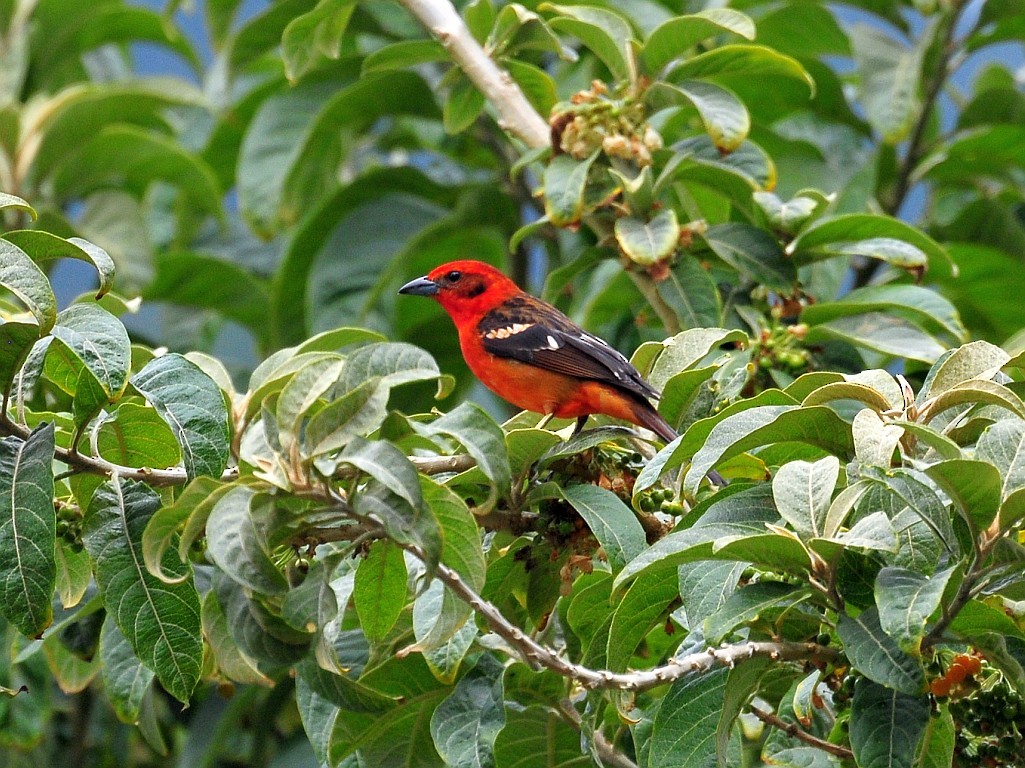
(529,330)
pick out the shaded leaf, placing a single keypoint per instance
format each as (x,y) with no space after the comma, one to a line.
(192,405)
(876,655)
(28,567)
(380,589)
(613,524)
(886,725)
(160,621)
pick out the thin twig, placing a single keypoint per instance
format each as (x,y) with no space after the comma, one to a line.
(649,289)
(516,114)
(791,729)
(606,750)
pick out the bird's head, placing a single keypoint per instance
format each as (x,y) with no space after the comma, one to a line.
(465,289)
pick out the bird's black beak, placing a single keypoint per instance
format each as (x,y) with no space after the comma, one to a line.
(420,287)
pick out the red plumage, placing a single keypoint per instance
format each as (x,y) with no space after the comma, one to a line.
(528,352)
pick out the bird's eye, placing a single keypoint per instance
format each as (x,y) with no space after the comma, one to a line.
(453,276)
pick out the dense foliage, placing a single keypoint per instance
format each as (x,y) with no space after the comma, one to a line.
(335,556)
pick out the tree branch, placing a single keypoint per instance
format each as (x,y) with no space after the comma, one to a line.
(516,114)
(428,465)
(606,750)
(791,729)
(539,655)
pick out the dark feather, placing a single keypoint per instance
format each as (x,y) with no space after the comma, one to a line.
(552,341)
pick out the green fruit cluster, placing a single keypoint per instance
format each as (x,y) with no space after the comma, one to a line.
(990,724)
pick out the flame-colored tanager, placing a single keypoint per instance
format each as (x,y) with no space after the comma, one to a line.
(529,353)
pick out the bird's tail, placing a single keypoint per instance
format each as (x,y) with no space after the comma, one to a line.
(651,419)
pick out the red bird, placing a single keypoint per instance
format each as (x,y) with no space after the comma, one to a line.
(529,353)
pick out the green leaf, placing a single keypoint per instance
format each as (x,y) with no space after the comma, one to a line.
(380,589)
(194,505)
(135,436)
(890,79)
(90,337)
(42,246)
(358,412)
(643,604)
(735,530)
(764,425)
(125,678)
(875,440)
(922,306)
(28,567)
(536,84)
(271,148)
(386,464)
(849,390)
(463,106)
(402,54)
(753,252)
(395,363)
(537,737)
(341,690)
(16,203)
(990,150)
(206,282)
(876,655)
(688,720)
(74,574)
(192,405)
(974,485)
(672,38)
(724,116)
(613,524)
(703,164)
(936,749)
(301,394)
(160,621)
(691,293)
(482,438)
(259,634)
(1003,445)
(133,159)
(240,534)
(403,522)
(822,236)
(741,61)
(607,34)
(886,725)
(648,242)
(803,491)
(977,619)
(461,551)
(748,604)
(975,360)
(229,658)
(880,332)
(78,114)
(906,600)
(465,725)
(16,340)
(314,34)
(705,587)
(906,489)
(122,26)
(20,275)
(688,349)
(565,181)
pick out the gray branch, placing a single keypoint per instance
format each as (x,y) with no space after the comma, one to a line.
(516,114)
